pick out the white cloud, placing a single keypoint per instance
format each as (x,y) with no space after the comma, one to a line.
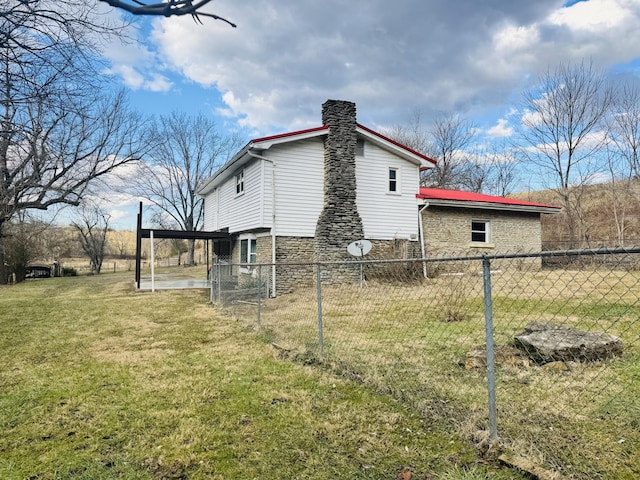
(501,129)
(287,57)
(158,83)
(139,67)
(116,215)
(130,76)
(593,16)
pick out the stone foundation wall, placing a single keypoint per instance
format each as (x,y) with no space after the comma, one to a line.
(394,249)
(400,249)
(263,249)
(294,250)
(447,233)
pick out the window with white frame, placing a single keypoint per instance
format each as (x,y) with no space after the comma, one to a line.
(240,182)
(394,180)
(360,147)
(480,231)
(248,250)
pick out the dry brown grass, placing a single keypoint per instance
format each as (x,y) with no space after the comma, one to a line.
(396,339)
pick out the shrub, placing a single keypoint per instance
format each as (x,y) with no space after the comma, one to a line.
(69,272)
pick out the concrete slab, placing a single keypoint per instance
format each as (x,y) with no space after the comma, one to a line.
(168,282)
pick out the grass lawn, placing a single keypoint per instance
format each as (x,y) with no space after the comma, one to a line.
(98,381)
(410,339)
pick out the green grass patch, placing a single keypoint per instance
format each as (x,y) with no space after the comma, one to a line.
(99,381)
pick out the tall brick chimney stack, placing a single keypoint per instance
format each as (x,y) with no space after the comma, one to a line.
(339,223)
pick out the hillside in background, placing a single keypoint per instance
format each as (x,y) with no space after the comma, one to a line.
(61,244)
(609,216)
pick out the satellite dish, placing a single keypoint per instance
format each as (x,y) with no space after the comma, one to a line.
(359,248)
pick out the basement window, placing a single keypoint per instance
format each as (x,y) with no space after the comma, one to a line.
(240,182)
(248,250)
(480,231)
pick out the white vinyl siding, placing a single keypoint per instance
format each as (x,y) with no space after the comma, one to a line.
(266,218)
(385,216)
(238,212)
(299,178)
(211,211)
(299,186)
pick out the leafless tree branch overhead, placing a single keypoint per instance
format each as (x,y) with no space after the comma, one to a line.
(167,9)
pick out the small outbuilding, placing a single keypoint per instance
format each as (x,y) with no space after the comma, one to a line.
(457,222)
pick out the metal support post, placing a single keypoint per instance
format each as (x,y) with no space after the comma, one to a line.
(259,293)
(219,275)
(319,295)
(491,371)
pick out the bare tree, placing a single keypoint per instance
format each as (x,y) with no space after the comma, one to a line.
(451,136)
(22,245)
(620,192)
(623,155)
(414,134)
(563,129)
(57,135)
(167,8)
(493,171)
(187,151)
(447,140)
(624,130)
(92,227)
(119,243)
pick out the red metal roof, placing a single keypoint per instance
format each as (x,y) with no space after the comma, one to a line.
(399,145)
(289,134)
(460,196)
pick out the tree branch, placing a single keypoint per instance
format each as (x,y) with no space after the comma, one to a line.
(167,9)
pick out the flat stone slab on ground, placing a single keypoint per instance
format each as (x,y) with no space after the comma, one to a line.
(546,343)
(504,355)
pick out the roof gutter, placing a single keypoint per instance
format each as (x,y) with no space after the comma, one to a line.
(491,206)
(422,245)
(273,216)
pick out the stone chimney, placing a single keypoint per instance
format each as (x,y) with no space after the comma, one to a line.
(339,223)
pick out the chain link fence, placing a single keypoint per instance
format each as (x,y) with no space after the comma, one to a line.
(536,354)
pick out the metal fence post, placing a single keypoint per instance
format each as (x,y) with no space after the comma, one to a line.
(259,293)
(491,373)
(219,276)
(319,295)
(210,278)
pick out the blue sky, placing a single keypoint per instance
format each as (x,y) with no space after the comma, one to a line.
(272,73)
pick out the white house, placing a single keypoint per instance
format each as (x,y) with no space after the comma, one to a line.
(305,195)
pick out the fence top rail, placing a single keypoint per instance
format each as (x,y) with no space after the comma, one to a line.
(497,256)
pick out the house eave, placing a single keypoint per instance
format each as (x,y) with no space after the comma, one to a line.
(489,206)
(267,142)
(402,151)
(239,159)
(260,144)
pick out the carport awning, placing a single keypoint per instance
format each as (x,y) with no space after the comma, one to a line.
(183,234)
(170,234)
